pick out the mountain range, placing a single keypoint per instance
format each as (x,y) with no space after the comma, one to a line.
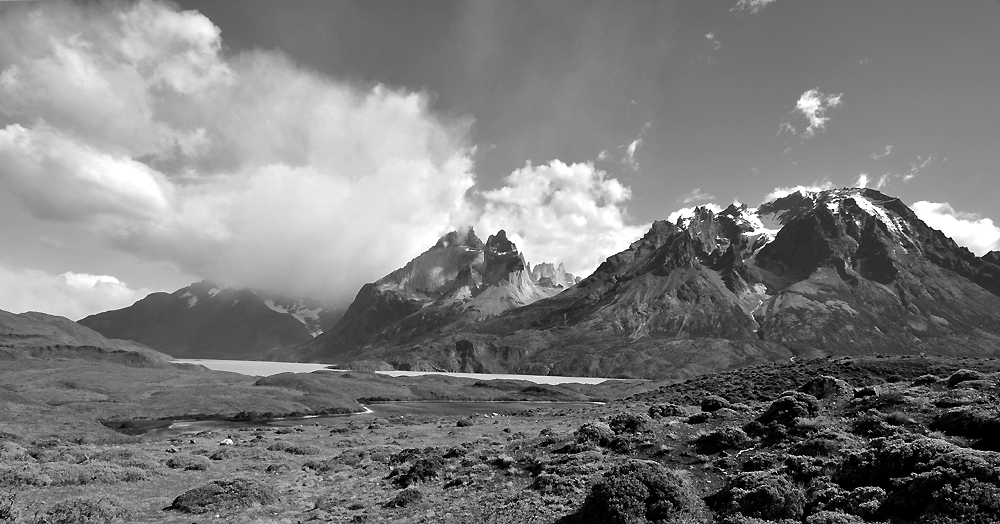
(837,272)
(206,321)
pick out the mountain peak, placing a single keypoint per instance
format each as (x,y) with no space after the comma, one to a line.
(465,238)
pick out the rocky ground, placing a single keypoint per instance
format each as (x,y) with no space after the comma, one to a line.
(849,440)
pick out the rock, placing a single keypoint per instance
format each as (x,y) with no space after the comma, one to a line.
(226,442)
(867,391)
(225,494)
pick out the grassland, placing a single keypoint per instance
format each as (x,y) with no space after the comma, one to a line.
(828,441)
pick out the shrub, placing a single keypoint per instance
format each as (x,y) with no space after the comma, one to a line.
(423,469)
(405,498)
(714,403)
(553,484)
(720,439)
(926,380)
(637,491)
(759,494)
(596,432)
(188,462)
(974,422)
(826,386)
(790,406)
(871,424)
(225,494)
(628,422)
(666,410)
(294,449)
(833,517)
(85,510)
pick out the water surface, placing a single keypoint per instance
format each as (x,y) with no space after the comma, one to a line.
(265,368)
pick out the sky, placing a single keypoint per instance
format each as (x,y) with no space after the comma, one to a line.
(308,147)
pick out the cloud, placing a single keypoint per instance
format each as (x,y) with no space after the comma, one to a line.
(716,44)
(688,212)
(862,180)
(631,148)
(72,295)
(573,213)
(885,153)
(917,167)
(696,195)
(751,6)
(130,121)
(814,106)
(781,192)
(978,234)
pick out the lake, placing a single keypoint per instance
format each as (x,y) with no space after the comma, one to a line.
(264,368)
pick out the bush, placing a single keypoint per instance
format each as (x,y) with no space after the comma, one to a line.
(714,403)
(423,469)
(826,386)
(405,498)
(790,406)
(973,422)
(85,510)
(628,422)
(294,449)
(666,410)
(596,432)
(188,462)
(637,491)
(833,517)
(225,494)
(759,494)
(720,439)
(926,380)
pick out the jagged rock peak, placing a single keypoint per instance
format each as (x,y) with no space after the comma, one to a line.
(467,238)
(499,245)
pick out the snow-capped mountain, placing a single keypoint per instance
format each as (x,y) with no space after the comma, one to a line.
(838,272)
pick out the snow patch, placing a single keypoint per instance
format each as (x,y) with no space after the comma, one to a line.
(192,300)
(214,291)
(274,307)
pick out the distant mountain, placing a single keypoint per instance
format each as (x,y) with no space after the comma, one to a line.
(459,281)
(206,321)
(34,334)
(839,272)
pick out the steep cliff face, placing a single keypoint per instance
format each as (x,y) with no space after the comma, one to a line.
(838,272)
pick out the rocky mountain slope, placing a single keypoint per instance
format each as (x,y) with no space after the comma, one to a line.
(459,281)
(205,321)
(839,272)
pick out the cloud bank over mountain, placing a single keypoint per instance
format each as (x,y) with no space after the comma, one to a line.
(132,122)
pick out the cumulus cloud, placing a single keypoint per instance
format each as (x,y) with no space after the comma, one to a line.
(781,192)
(751,6)
(573,213)
(863,181)
(978,234)
(696,195)
(814,105)
(129,120)
(72,295)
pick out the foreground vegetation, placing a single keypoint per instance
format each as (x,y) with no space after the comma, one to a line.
(828,441)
